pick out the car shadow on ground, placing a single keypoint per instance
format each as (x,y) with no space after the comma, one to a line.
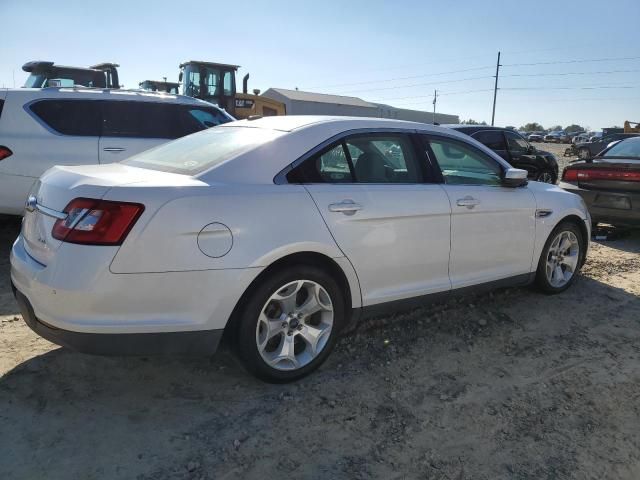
(393,386)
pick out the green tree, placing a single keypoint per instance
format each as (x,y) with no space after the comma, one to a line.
(471,121)
(532,127)
(556,128)
(573,128)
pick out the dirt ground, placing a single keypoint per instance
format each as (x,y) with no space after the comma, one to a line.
(508,385)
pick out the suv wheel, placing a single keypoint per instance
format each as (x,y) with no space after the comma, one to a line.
(546,176)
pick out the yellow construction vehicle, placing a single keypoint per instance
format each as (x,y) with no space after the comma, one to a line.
(629,129)
(216,83)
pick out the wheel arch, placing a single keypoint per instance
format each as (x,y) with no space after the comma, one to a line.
(580,223)
(347,281)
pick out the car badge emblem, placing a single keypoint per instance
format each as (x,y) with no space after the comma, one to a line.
(31,203)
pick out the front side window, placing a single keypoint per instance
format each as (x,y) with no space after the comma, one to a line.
(157,119)
(70,117)
(463,165)
(517,144)
(492,139)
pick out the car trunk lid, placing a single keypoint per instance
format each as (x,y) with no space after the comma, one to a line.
(61,184)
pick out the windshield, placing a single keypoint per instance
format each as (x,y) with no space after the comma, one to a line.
(629,148)
(201,151)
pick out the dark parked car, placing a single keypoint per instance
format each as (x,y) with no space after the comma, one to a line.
(535,137)
(593,148)
(609,183)
(542,166)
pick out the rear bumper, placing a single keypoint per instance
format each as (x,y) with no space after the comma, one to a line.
(82,305)
(203,342)
(617,208)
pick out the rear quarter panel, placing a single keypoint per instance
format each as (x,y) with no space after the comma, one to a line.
(267,222)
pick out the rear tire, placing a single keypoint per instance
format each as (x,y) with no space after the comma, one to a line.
(278,339)
(584,153)
(561,258)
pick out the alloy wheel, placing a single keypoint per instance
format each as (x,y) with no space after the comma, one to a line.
(546,177)
(294,325)
(562,259)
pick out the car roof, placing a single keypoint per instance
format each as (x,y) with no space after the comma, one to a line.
(476,128)
(289,123)
(106,94)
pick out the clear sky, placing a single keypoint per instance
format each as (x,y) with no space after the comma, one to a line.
(586,54)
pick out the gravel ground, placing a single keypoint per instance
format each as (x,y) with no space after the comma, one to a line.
(508,385)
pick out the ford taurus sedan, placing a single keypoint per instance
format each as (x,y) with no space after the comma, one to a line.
(279,232)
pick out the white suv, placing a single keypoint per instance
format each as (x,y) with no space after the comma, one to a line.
(40,128)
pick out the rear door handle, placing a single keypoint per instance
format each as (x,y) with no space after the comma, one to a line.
(348,207)
(468,202)
(114,149)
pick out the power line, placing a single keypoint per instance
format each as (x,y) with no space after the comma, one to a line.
(418,84)
(440,93)
(564,62)
(560,74)
(403,78)
(586,87)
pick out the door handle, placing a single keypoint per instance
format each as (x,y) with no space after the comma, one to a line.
(114,149)
(468,202)
(348,207)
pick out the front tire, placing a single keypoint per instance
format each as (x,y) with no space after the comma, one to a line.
(290,324)
(546,176)
(561,258)
(584,153)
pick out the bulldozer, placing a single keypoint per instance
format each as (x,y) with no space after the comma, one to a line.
(628,128)
(216,83)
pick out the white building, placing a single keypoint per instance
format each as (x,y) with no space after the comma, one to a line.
(308,103)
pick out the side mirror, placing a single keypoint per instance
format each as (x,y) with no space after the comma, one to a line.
(514,177)
(180,77)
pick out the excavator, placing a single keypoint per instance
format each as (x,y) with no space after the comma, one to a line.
(216,83)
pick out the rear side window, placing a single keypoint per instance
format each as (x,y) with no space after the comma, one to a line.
(69,117)
(196,153)
(375,158)
(1,105)
(492,139)
(157,120)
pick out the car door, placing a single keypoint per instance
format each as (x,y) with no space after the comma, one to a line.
(494,140)
(67,134)
(385,213)
(492,226)
(131,127)
(521,154)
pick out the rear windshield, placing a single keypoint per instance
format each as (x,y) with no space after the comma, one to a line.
(203,150)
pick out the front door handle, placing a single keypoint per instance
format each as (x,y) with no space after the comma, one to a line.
(114,149)
(348,207)
(468,202)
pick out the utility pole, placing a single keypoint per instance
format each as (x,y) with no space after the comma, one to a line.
(435,99)
(495,91)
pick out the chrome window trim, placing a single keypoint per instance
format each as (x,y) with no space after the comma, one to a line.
(281,177)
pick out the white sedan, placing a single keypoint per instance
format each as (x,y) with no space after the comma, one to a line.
(279,232)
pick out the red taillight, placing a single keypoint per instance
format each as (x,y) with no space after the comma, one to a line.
(97,222)
(5,152)
(585,175)
(570,175)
